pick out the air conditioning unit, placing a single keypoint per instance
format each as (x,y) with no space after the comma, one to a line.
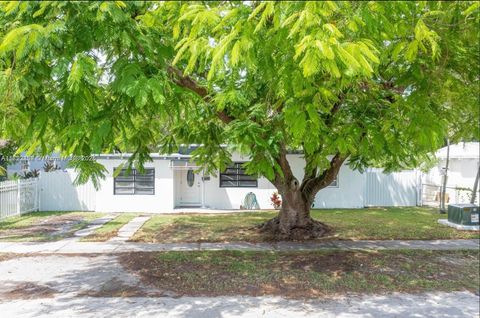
(464,214)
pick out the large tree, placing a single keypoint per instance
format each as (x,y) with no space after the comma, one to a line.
(363,83)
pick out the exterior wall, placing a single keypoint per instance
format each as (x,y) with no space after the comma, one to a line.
(58,193)
(351,191)
(348,194)
(232,198)
(161,201)
(461,173)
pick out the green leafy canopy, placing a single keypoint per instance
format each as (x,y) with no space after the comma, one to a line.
(380,83)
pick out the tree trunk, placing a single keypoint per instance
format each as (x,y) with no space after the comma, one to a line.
(475,187)
(444,184)
(294,221)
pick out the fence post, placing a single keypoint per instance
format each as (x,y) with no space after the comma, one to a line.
(18,197)
(37,192)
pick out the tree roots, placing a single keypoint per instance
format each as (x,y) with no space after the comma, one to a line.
(312,229)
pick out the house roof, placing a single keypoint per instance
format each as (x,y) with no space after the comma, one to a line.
(184,152)
(152,155)
(463,150)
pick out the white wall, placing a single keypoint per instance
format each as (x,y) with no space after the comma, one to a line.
(353,191)
(58,193)
(161,201)
(461,174)
(349,193)
(391,189)
(232,198)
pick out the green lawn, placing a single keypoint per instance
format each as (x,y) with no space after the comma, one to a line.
(110,229)
(349,224)
(305,274)
(44,226)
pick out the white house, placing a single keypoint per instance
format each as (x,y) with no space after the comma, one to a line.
(462,170)
(463,165)
(172,183)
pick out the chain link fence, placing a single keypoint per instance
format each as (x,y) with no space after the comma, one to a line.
(431,195)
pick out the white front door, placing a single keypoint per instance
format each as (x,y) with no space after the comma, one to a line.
(189,188)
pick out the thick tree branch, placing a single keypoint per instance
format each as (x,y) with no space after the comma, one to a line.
(328,122)
(288,177)
(311,186)
(335,109)
(187,82)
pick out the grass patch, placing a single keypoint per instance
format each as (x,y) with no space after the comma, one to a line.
(202,228)
(305,274)
(44,226)
(412,223)
(359,224)
(110,229)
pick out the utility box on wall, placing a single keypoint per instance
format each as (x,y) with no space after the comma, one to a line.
(464,214)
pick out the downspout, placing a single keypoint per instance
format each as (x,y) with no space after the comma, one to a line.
(203,190)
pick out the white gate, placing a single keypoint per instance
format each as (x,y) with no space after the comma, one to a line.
(392,189)
(18,197)
(58,193)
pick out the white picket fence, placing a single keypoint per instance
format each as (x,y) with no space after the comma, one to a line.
(52,191)
(18,197)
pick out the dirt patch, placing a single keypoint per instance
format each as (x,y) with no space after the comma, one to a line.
(49,228)
(302,275)
(100,237)
(26,290)
(454,261)
(344,262)
(118,288)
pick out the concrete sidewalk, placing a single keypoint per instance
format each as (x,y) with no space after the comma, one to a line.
(72,246)
(129,229)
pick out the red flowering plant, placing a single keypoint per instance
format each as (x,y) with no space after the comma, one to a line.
(276,200)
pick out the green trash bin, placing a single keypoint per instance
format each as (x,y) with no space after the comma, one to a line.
(464,214)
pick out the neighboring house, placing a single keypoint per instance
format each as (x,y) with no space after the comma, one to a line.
(29,163)
(462,170)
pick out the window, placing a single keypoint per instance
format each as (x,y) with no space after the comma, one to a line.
(334,183)
(234,177)
(25,164)
(135,182)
